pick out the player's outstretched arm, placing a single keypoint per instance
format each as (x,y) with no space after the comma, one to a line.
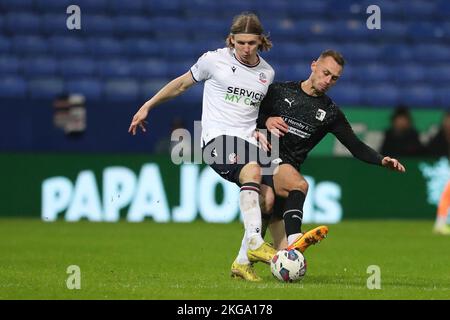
(393,164)
(171,90)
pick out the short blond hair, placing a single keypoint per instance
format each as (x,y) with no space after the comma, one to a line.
(248,23)
(335,55)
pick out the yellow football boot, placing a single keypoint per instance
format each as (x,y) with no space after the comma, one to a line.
(311,237)
(244,271)
(264,253)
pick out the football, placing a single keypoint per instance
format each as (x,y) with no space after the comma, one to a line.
(288,265)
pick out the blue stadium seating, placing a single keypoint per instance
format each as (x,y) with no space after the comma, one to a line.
(382,94)
(347,94)
(16,5)
(77,67)
(9,65)
(153,41)
(115,68)
(46,88)
(91,88)
(97,25)
(40,67)
(417,96)
(102,47)
(23,23)
(121,90)
(26,45)
(13,87)
(443,97)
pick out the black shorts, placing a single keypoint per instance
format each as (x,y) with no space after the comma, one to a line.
(227,155)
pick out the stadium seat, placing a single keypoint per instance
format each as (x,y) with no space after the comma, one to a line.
(419,9)
(9,65)
(346,9)
(307,9)
(55,24)
(418,96)
(5,44)
(12,87)
(97,25)
(171,8)
(438,74)
(384,94)
(391,30)
(93,7)
(396,52)
(373,72)
(346,94)
(141,47)
(132,25)
(66,46)
(361,52)
(40,67)
(77,67)
(102,47)
(424,32)
(177,69)
(408,73)
(121,90)
(150,69)
(443,97)
(16,5)
(89,87)
(126,7)
(173,28)
(431,53)
(114,68)
(390,9)
(29,45)
(46,88)
(52,5)
(23,23)
(350,30)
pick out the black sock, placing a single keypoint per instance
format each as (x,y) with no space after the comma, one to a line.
(293,212)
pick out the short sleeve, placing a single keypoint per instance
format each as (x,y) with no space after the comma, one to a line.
(201,70)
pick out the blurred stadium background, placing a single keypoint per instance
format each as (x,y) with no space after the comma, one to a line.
(67,98)
(127,50)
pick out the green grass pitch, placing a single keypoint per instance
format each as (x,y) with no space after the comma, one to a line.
(192,261)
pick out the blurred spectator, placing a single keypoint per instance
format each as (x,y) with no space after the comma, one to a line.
(70,114)
(401,139)
(439,145)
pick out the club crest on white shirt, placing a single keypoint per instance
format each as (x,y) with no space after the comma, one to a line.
(262,77)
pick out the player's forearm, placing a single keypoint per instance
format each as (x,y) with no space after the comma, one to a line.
(365,153)
(171,90)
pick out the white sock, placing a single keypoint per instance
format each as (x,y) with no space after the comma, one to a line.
(440,222)
(251,212)
(242,255)
(293,237)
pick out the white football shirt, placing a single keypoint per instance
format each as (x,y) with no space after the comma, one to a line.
(232,94)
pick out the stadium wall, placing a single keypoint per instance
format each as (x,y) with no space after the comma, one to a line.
(138,187)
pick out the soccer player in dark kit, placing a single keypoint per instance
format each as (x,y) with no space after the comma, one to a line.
(301,114)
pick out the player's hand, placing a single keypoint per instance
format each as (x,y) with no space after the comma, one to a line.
(262,139)
(138,121)
(277,126)
(392,164)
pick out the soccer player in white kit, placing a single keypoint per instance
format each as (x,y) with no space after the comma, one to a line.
(236,80)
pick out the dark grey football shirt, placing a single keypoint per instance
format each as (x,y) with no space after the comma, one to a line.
(309,119)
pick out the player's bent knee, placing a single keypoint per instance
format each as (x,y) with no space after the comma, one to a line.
(250,173)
